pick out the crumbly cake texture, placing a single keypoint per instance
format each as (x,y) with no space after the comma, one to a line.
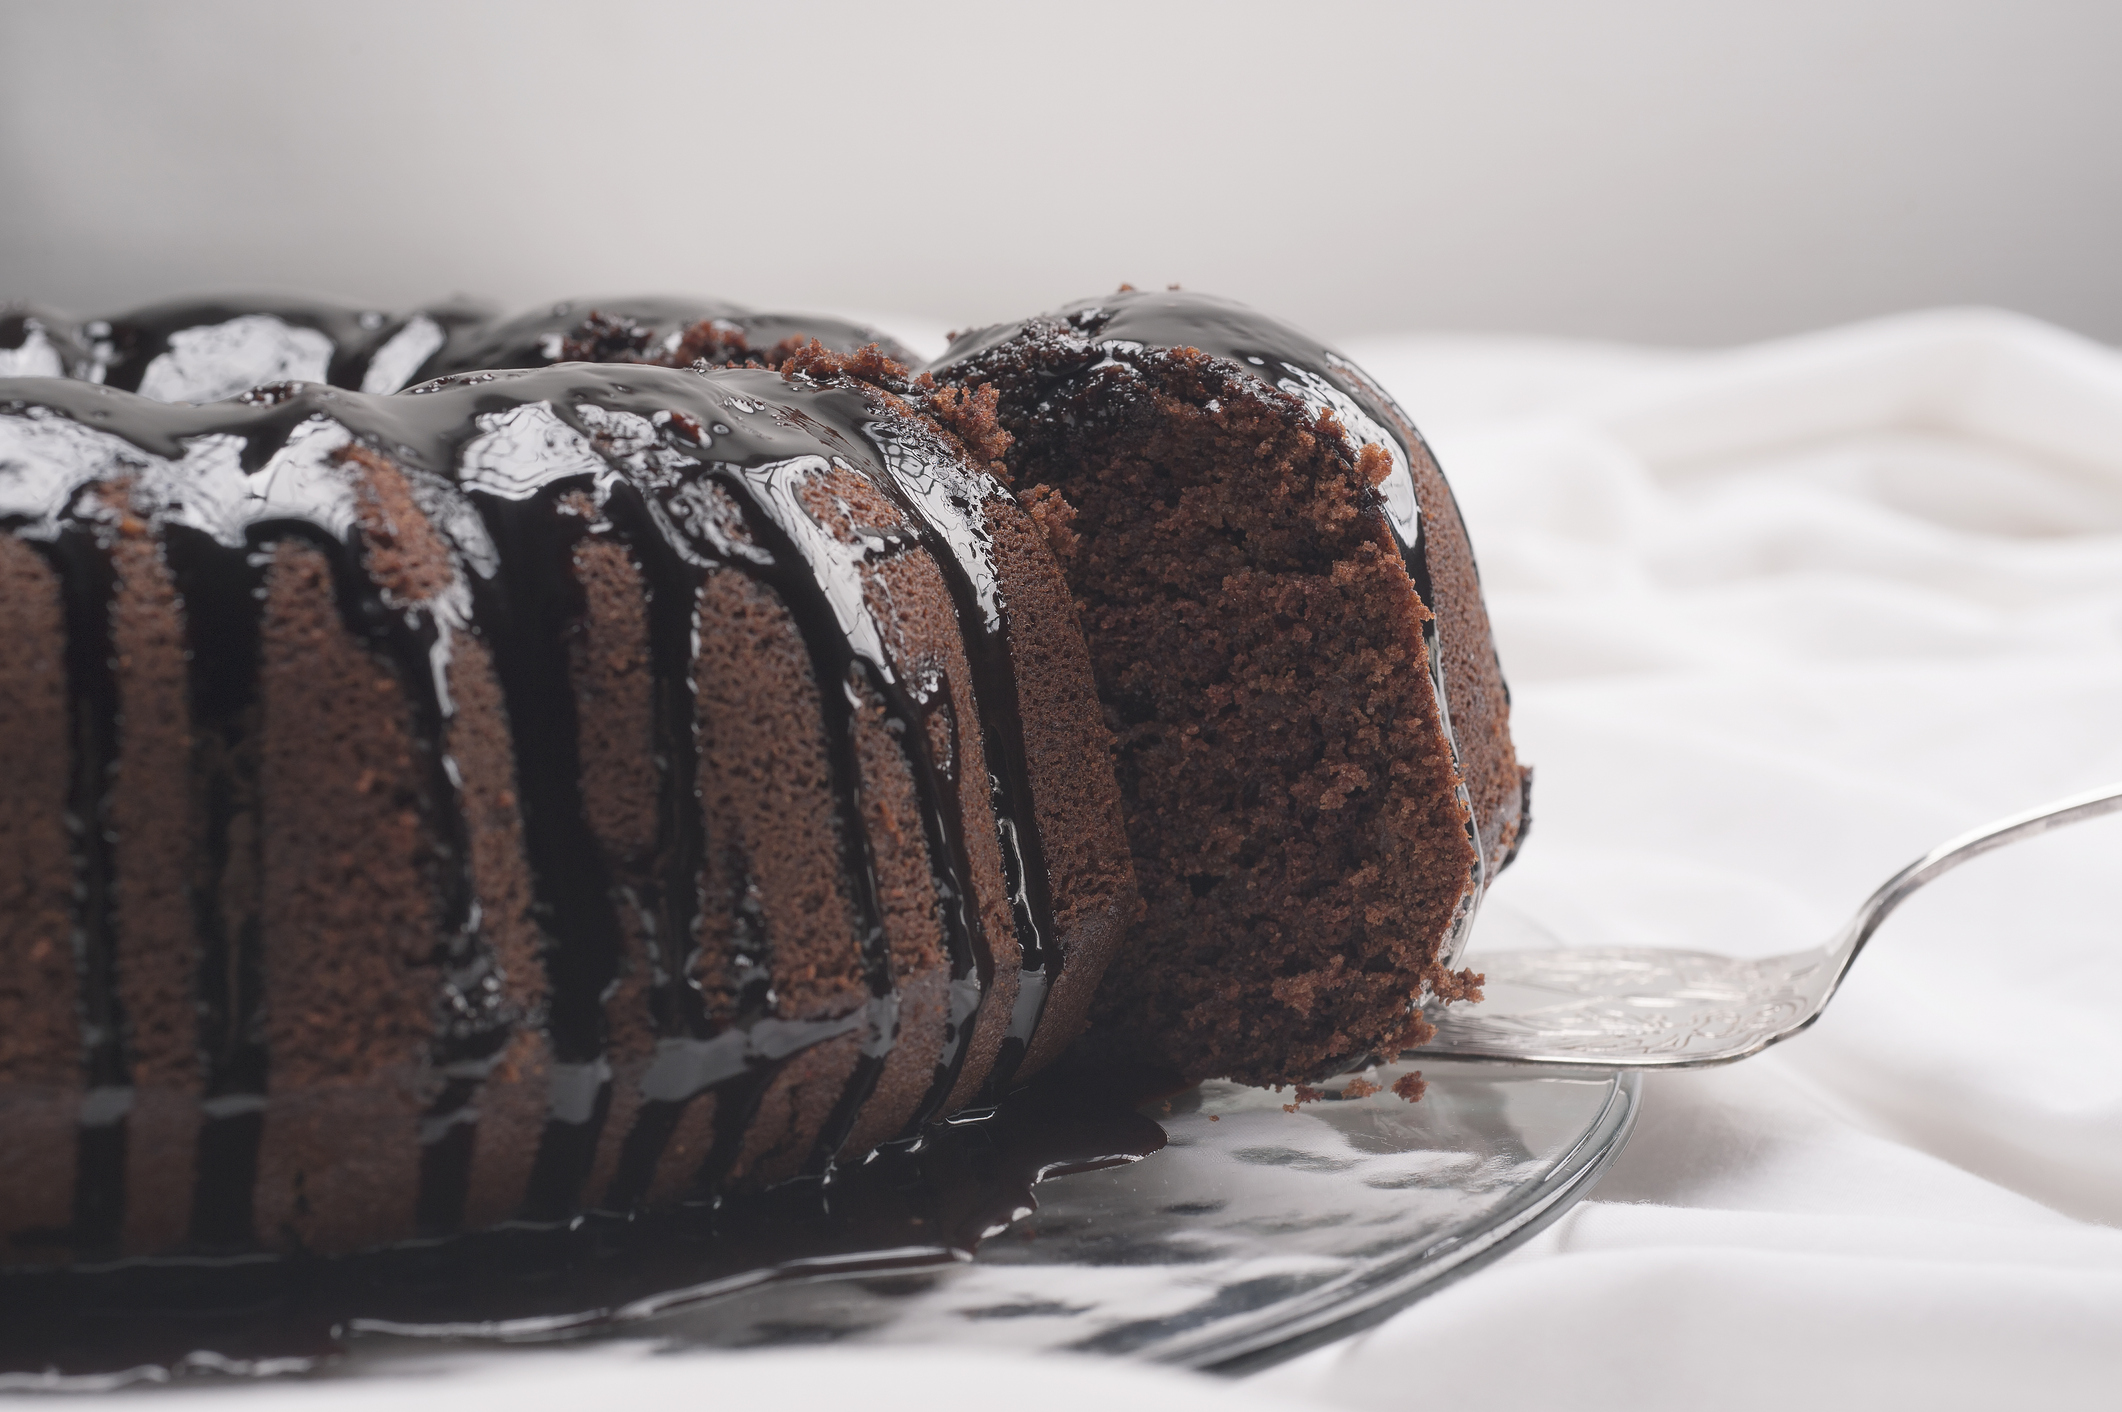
(1291,796)
(577,788)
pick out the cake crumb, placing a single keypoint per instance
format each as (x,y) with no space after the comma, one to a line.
(1462,985)
(1419,1031)
(814,360)
(1360,1088)
(1410,1086)
(709,339)
(1305,1094)
(1055,517)
(1373,464)
(970,416)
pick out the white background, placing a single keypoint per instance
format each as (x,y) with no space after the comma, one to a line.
(1659,170)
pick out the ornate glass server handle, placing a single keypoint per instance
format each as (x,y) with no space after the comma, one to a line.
(1629,1007)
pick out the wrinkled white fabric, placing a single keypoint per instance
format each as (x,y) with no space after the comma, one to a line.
(1777,620)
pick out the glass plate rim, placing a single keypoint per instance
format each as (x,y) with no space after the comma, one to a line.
(1328,1315)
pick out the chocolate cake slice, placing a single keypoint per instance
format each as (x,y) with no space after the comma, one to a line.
(583,787)
(1286,628)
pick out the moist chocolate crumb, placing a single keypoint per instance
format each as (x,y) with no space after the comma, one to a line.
(1259,656)
(868,363)
(1373,465)
(1305,1094)
(970,416)
(1463,985)
(710,340)
(1056,519)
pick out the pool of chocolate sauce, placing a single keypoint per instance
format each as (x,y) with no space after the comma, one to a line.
(910,1206)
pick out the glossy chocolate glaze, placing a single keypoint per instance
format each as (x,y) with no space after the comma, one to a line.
(649,330)
(205,350)
(947,496)
(911,1209)
(1138,324)
(502,464)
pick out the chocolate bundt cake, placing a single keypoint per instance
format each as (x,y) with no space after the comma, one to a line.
(540,790)
(1290,647)
(564,787)
(204,350)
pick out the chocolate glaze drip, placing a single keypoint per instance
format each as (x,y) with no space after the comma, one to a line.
(491,458)
(81,558)
(204,350)
(219,593)
(1133,324)
(946,497)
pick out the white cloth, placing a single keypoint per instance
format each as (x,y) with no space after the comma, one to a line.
(1777,620)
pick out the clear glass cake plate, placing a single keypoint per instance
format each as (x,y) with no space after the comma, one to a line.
(1256,1232)
(1250,1228)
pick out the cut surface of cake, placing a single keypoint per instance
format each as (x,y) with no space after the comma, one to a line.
(585,787)
(1290,646)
